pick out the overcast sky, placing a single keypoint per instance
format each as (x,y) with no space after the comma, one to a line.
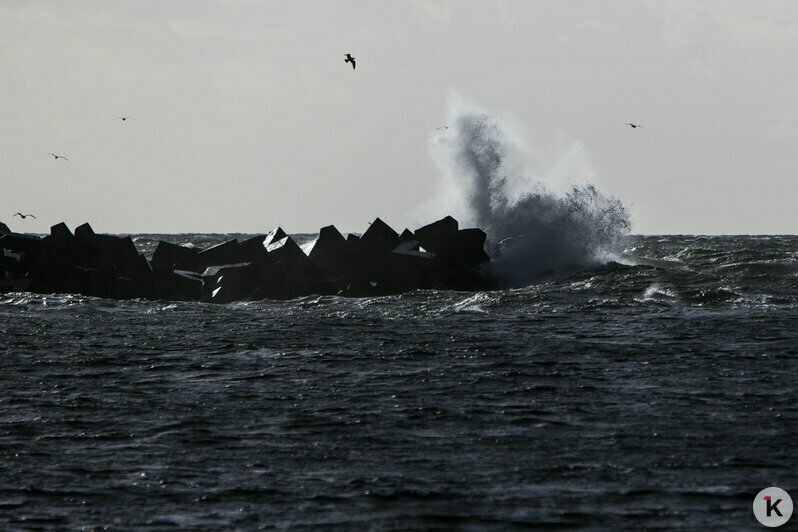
(246,116)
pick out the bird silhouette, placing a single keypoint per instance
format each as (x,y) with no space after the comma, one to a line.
(442,127)
(633,126)
(123,118)
(58,157)
(23,216)
(350,59)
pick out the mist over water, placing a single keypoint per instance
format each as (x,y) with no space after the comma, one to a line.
(533,228)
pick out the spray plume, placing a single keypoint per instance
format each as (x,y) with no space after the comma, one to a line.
(533,230)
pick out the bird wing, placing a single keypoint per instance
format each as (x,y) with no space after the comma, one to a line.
(32,216)
(18,214)
(353,63)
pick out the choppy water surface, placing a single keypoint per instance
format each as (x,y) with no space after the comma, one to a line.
(656,393)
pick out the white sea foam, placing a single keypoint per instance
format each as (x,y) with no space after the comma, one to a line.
(657,292)
(534,228)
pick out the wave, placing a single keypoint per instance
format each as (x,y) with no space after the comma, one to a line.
(533,229)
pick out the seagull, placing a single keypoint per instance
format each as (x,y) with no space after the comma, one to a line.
(350,59)
(123,118)
(633,126)
(442,127)
(23,216)
(58,156)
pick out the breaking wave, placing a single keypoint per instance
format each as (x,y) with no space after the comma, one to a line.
(533,229)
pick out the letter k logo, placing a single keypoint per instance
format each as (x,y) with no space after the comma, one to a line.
(772,506)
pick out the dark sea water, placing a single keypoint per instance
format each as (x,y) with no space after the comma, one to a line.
(658,391)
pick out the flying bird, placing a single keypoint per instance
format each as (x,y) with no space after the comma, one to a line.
(23,216)
(350,59)
(442,127)
(633,126)
(123,118)
(58,157)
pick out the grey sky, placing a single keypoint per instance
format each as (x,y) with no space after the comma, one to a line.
(246,115)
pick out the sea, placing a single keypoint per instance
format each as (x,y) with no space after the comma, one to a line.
(654,390)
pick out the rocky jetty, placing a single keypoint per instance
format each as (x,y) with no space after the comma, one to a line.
(269,266)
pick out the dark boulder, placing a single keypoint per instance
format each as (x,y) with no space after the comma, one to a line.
(385,262)
(234,282)
(408,265)
(467,248)
(102,251)
(472,241)
(225,253)
(60,236)
(274,235)
(380,261)
(127,288)
(412,248)
(285,272)
(135,278)
(254,247)
(91,264)
(168,256)
(409,272)
(178,285)
(88,281)
(9,265)
(371,253)
(287,252)
(453,247)
(116,257)
(17,253)
(13,285)
(84,231)
(52,269)
(435,235)
(4,230)
(406,236)
(24,247)
(173,257)
(332,260)
(379,236)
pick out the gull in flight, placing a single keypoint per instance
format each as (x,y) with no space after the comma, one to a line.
(442,127)
(350,59)
(23,216)
(58,156)
(633,126)
(123,118)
